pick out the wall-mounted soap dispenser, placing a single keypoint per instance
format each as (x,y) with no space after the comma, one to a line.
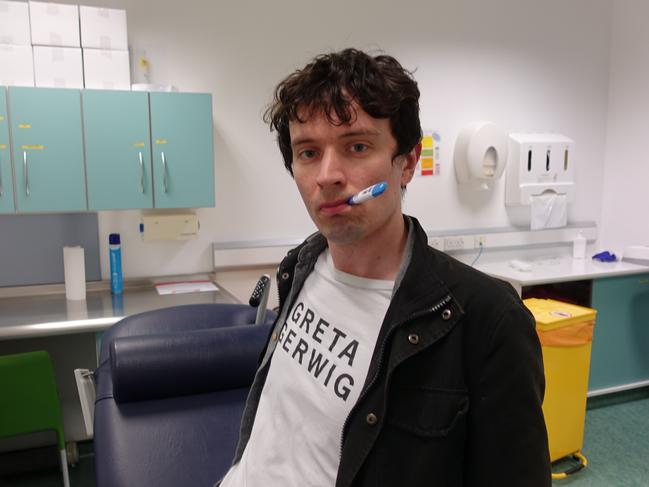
(538,164)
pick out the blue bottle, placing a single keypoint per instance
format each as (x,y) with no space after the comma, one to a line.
(115,263)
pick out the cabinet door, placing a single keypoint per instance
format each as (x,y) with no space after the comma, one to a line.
(118,149)
(621,336)
(47,149)
(6,174)
(183,150)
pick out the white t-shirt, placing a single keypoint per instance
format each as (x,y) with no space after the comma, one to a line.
(316,375)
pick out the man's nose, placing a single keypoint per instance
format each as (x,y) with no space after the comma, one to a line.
(331,169)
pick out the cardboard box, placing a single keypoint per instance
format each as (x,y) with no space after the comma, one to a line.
(58,67)
(16,65)
(54,24)
(106,70)
(103,28)
(14,23)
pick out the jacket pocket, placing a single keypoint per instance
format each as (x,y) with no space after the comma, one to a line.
(428,412)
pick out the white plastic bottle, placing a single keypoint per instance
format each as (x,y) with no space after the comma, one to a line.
(579,247)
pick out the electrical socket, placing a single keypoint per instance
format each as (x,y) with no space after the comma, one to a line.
(458,242)
(436,242)
(480,240)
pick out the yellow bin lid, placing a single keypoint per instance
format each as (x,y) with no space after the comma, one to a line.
(549,313)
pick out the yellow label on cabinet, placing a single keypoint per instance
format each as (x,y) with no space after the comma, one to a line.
(24,126)
(2,118)
(160,141)
(139,144)
(3,146)
(32,147)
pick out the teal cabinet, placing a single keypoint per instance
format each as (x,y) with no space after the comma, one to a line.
(183,153)
(6,173)
(620,354)
(47,149)
(118,149)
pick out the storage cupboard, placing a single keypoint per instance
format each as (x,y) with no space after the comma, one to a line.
(104,150)
(619,355)
(183,165)
(118,149)
(47,149)
(6,174)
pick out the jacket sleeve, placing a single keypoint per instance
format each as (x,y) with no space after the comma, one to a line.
(507,443)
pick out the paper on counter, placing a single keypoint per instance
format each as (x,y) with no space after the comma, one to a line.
(184,287)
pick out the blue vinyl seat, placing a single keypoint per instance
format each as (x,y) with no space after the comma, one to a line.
(171,386)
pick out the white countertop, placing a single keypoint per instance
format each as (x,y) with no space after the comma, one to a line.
(559,269)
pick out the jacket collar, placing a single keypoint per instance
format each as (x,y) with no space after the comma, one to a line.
(419,287)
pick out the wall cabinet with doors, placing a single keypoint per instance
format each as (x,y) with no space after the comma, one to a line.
(141,150)
(183,166)
(47,149)
(118,149)
(6,173)
(123,130)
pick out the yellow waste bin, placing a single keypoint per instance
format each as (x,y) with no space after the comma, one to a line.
(566,335)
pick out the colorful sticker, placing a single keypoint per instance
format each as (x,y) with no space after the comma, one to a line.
(24,126)
(139,144)
(32,147)
(160,141)
(428,164)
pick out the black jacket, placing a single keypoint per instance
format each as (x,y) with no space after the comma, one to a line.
(454,389)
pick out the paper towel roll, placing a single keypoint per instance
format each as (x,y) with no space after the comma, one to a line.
(76,310)
(74,268)
(548,210)
(480,154)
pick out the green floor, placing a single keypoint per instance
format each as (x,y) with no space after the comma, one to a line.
(616,444)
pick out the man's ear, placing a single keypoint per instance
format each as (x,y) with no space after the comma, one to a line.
(409,164)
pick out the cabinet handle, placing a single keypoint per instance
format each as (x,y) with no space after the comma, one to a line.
(26,171)
(141,172)
(164,171)
(2,189)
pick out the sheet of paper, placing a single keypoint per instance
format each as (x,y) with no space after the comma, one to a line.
(185,287)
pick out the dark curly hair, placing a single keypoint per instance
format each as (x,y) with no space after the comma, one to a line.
(332,82)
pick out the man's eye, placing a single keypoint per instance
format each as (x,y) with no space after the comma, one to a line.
(307,154)
(358,147)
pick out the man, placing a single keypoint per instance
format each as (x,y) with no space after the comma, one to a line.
(391,364)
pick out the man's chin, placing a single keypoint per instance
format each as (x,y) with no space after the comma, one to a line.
(341,234)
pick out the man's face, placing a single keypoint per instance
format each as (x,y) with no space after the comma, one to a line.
(333,162)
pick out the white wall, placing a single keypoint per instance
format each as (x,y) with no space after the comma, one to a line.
(625,201)
(524,64)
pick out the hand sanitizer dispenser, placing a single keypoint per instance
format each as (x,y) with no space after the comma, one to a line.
(540,176)
(538,164)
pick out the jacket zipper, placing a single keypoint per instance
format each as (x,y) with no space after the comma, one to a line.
(434,309)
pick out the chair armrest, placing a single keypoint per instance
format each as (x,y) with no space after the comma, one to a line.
(177,364)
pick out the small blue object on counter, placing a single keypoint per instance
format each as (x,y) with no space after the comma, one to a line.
(605,256)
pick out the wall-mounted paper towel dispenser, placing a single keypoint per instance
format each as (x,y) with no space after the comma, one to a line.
(169,226)
(480,155)
(538,164)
